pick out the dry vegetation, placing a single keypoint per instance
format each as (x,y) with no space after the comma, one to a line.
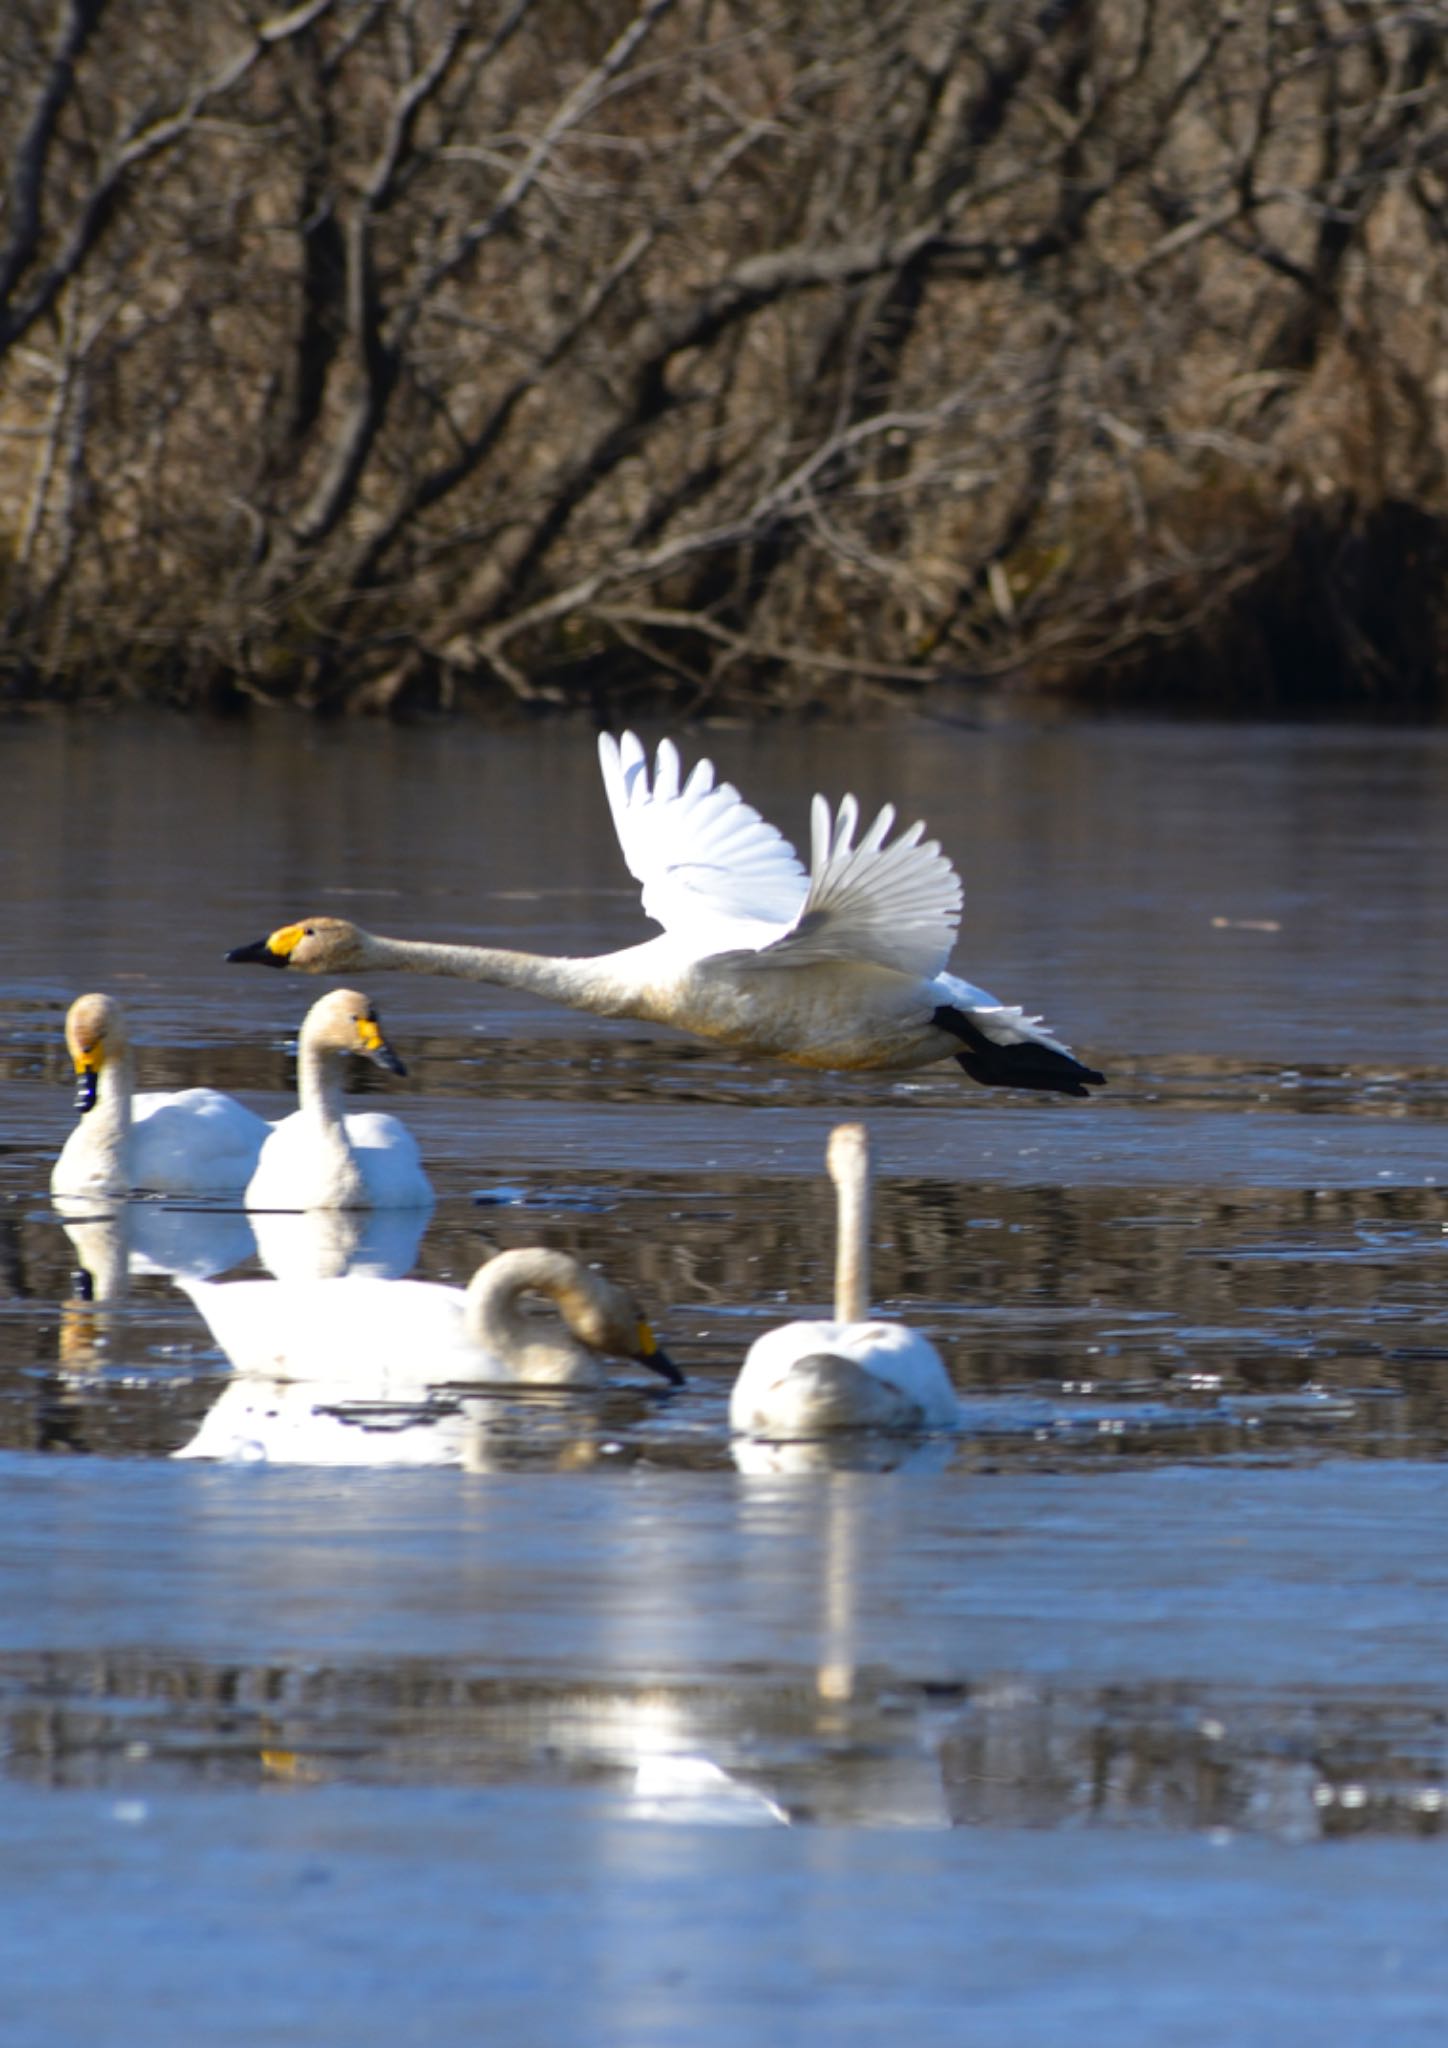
(758,352)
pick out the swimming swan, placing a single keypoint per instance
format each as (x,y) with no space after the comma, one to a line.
(840,968)
(320,1158)
(850,1373)
(195,1142)
(369,1330)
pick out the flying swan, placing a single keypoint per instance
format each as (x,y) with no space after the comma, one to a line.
(321,1158)
(806,1378)
(843,967)
(195,1142)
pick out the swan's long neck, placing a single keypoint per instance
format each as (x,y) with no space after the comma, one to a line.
(320,1092)
(494,1312)
(852,1242)
(107,1123)
(588,984)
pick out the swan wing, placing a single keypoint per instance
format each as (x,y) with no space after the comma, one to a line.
(1001,1023)
(886,902)
(194,1142)
(711,868)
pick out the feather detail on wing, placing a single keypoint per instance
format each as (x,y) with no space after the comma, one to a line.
(712,870)
(1002,1023)
(892,903)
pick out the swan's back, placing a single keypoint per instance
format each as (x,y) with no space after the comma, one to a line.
(195,1142)
(377,1334)
(807,1377)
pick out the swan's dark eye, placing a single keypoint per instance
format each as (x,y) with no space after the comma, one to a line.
(309,931)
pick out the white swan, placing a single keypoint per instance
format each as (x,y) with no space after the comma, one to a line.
(195,1142)
(840,968)
(850,1373)
(370,1330)
(321,1158)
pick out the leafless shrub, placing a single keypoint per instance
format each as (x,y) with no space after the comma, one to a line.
(370,349)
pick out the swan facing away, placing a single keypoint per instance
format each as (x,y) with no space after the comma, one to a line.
(321,1158)
(840,967)
(376,1332)
(809,1377)
(195,1142)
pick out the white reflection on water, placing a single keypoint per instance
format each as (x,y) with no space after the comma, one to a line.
(113,1240)
(324,1244)
(387,1419)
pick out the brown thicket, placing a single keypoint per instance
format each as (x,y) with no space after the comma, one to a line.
(759,352)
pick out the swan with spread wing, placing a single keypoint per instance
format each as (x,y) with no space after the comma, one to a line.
(843,967)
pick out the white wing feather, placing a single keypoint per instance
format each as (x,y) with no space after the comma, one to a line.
(715,872)
(894,904)
(1004,1023)
(712,869)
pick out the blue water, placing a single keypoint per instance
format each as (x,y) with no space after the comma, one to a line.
(1123,1717)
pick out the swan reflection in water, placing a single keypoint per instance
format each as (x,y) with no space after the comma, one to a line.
(836,1753)
(397,1420)
(114,1241)
(329,1244)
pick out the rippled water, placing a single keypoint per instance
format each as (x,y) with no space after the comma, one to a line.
(1169,1611)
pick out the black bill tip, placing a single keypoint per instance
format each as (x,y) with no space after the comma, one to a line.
(660,1362)
(257,954)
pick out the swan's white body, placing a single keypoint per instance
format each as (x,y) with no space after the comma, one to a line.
(807,1378)
(373,1329)
(810,1376)
(843,967)
(195,1142)
(322,1158)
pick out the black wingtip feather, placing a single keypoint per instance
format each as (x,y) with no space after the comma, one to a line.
(1023,1065)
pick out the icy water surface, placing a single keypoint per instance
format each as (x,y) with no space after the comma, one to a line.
(432,1709)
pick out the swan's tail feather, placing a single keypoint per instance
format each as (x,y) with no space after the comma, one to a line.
(1025,1064)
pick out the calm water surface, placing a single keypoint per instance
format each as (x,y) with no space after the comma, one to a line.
(568,1715)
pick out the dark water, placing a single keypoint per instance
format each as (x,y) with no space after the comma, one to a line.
(1024,1728)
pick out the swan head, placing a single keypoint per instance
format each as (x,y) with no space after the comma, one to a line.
(608,1320)
(347,1021)
(95,1031)
(847,1156)
(318,945)
(601,1316)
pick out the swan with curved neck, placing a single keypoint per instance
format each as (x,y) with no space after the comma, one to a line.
(840,968)
(194,1142)
(808,1378)
(376,1333)
(322,1158)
